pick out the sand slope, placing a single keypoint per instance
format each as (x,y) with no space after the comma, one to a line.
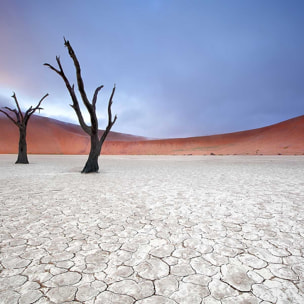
(49,136)
(284,138)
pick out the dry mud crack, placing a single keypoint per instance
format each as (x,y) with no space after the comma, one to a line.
(152,230)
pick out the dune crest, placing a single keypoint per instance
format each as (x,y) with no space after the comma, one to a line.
(50,136)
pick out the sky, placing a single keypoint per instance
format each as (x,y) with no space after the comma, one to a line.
(181,68)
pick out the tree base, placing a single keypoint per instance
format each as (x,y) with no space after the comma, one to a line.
(91,166)
(22,159)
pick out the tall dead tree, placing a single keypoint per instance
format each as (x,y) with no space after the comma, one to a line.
(96,141)
(21,120)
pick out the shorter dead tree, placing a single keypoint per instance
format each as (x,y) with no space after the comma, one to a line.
(21,121)
(92,130)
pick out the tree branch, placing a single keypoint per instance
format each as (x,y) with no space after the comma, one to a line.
(8,116)
(94,100)
(17,103)
(78,76)
(91,107)
(110,105)
(12,110)
(110,121)
(16,113)
(71,90)
(60,71)
(32,110)
(88,105)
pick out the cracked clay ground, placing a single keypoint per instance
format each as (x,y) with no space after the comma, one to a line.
(152,230)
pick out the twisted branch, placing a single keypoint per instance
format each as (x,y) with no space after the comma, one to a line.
(9,117)
(91,107)
(78,76)
(22,120)
(71,90)
(17,103)
(32,110)
(110,121)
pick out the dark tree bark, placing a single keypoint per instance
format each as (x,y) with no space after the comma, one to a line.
(92,162)
(21,121)
(22,152)
(92,130)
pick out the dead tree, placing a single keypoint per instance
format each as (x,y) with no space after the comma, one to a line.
(92,130)
(21,121)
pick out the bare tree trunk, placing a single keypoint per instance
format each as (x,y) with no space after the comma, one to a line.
(22,153)
(92,162)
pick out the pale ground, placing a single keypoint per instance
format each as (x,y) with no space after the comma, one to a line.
(152,230)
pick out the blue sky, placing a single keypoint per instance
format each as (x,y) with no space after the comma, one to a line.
(181,68)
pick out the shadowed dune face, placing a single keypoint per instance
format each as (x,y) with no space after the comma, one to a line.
(49,136)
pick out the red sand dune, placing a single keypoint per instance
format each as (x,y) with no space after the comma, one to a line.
(49,136)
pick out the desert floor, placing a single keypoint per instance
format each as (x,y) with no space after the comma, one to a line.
(152,230)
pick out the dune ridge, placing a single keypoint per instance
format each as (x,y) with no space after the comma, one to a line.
(50,136)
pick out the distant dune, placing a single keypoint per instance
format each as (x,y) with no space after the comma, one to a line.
(49,136)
